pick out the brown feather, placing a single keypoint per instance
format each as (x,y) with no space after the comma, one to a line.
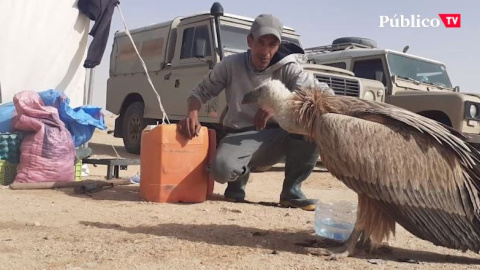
(406,168)
(373,221)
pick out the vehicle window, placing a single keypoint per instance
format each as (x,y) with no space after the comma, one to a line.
(190,35)
(187,43)
(418,69)
(201,32)
(235,38)
(370,69)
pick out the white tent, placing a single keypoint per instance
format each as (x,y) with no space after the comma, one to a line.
(42,46)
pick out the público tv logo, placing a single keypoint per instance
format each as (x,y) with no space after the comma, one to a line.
(450,20)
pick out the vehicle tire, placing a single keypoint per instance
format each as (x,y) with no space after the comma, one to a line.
(133,125)
(358,40)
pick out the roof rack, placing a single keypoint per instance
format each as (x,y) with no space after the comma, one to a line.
(337,47)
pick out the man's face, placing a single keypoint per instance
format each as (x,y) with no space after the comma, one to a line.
(262,50)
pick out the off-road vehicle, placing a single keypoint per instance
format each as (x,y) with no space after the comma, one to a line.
(415,83)
(178,53)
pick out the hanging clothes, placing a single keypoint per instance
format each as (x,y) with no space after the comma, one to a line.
(100,11)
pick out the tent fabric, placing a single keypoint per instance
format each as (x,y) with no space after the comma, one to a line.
(101,12)
(43,46)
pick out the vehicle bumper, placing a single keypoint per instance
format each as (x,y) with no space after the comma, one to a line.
(472,138)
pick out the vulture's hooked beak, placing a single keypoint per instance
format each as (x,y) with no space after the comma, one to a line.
(251,97)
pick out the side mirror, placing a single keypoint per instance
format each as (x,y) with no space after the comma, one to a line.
(379,76)
(457,88)
(200,48)
(393,79)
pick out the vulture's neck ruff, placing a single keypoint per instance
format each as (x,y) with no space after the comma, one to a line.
(296,112)
(307,105)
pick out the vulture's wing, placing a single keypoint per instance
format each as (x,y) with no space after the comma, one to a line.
(387,112)
(420,172)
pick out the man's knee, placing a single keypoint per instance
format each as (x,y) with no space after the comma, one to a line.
(225,171)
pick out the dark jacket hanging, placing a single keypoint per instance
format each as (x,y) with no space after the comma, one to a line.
(101,12)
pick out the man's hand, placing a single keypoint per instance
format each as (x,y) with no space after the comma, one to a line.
(261,118)
(189,127)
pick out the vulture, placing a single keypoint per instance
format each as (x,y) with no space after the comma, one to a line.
(405,168)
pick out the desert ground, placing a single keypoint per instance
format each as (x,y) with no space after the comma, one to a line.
(116,229)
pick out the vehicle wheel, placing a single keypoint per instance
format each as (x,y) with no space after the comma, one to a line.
(358,40)
(133,125)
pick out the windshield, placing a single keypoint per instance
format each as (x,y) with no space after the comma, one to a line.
(419,70)
(235,39)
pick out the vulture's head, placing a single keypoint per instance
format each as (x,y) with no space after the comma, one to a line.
(270,95)
(274,96)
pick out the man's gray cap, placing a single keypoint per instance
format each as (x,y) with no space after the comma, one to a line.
(266,24)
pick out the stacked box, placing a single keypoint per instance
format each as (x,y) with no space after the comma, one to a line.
(8,171)
(10,146)
(78,170)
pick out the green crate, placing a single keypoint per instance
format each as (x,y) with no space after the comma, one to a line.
(78,170)
(8,171)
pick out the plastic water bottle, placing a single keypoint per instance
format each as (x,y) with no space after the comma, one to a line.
(135,179)
(335,220)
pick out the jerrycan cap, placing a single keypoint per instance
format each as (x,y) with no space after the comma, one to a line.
(150,127)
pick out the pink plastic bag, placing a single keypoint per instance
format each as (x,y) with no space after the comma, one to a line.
(47,151)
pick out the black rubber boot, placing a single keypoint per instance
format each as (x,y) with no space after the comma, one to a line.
(301,158)
(235,191)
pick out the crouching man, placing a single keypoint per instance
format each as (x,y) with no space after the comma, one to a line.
(253,139)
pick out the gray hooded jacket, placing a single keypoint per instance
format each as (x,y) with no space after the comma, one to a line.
(238,77)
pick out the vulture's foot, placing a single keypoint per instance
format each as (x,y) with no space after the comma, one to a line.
(367,245)
(385,247)
(343,252)
(348,249)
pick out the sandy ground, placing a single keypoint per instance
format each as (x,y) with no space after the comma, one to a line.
(115,229)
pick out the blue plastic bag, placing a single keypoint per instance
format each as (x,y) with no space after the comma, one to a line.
(81,121)
(7,111)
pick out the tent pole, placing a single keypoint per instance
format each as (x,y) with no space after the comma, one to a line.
(88,91)
(85,88)
(90,86)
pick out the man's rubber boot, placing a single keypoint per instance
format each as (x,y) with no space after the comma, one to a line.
(235,191)
(301,158)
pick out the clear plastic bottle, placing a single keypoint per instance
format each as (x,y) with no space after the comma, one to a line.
(335,220)
(136,178)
